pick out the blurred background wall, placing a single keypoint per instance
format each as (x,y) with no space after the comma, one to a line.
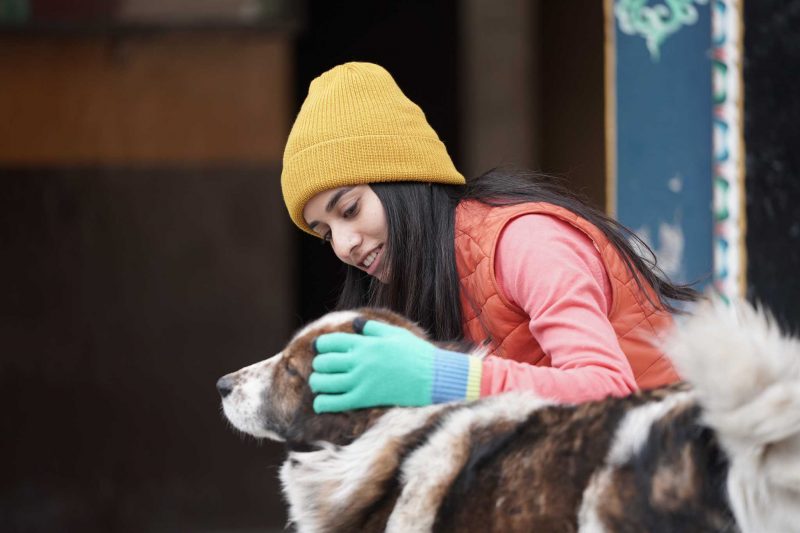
(146,251)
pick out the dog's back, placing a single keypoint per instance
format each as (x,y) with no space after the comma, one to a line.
(721,455)
(516,463)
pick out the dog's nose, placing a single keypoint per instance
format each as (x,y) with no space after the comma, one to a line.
(224,386)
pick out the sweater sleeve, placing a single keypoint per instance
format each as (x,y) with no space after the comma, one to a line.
(552,271)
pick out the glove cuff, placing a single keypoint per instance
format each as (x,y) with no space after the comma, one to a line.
(456,376)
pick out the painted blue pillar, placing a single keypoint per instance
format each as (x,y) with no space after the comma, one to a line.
(659,117)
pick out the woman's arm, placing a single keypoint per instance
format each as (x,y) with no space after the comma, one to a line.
(544,266)
(553,272)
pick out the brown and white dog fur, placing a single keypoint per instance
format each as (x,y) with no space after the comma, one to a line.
(720,452)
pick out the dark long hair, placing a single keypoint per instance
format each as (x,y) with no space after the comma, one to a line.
(420,253)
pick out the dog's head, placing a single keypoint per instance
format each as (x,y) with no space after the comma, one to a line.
(272,399)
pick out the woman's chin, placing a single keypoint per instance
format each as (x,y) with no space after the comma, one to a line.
(382,276)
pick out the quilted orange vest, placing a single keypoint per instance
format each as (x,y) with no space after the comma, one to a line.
(488,318)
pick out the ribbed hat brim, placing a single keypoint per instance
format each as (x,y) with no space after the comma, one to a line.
(363,160)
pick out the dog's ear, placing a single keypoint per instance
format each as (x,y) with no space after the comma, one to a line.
(387,316)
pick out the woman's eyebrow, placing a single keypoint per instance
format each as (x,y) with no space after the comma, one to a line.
(332,203)
(336,197)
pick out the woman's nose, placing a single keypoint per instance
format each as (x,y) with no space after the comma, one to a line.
(345,243)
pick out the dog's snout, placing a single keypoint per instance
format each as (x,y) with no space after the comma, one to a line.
(224,386)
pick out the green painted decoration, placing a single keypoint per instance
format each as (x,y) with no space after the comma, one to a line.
(655,22)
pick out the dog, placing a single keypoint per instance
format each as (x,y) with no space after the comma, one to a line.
(718,452)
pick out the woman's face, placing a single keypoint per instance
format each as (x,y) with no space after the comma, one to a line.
(353,221)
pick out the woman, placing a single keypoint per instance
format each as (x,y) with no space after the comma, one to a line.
(508,260)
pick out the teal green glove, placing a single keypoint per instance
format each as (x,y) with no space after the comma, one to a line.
(386,365)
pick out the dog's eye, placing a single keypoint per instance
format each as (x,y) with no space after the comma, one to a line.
(292,370)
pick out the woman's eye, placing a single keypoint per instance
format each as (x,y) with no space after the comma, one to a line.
(350,211)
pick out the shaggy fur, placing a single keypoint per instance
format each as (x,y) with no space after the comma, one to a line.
(720,454)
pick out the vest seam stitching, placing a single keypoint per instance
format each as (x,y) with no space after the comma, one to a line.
(622,280)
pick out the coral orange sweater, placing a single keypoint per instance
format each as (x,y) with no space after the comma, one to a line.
(552,271)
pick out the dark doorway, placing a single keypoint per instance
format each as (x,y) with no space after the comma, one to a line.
(417,41)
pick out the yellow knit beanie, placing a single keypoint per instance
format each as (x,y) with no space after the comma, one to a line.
(355,127)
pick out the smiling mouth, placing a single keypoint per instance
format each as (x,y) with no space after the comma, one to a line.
(371,258)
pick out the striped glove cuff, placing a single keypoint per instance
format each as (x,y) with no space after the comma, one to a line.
(456,376)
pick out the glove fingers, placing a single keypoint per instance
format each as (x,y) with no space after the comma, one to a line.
(337,342)
(374,328)
(334,362)
(331,383)
(335,403)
